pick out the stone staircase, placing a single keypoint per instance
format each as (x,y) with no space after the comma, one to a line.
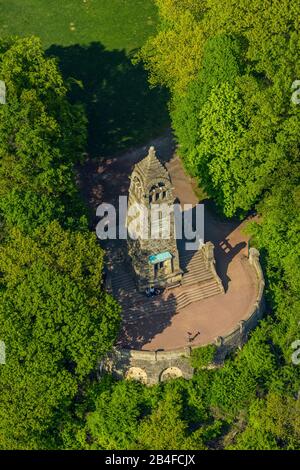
(157,307)
(198,282)
(194,267)
(122,282)
(201,290)
(124,288)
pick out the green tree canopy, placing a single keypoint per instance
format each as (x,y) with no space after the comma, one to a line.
(41,136)
(57,323)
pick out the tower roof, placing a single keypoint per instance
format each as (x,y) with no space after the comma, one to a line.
(151,168)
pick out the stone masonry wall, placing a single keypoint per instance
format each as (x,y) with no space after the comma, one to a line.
(152,367)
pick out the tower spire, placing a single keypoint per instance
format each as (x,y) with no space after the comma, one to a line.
(151,152)
(151,167)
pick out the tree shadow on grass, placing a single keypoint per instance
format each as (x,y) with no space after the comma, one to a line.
(122,110)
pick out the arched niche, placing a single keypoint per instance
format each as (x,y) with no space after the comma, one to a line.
(170,373)
(137,186)
(136,373)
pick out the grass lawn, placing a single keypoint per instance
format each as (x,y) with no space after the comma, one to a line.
(117,24)
(92,40)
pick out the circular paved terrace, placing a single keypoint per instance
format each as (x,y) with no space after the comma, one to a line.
(202,321)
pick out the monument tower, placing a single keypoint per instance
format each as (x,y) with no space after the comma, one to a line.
(153,252)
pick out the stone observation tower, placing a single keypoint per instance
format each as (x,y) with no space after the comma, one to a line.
(186,275)
(151,347)
(153,252)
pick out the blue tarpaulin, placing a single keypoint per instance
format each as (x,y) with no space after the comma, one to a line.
(160,257)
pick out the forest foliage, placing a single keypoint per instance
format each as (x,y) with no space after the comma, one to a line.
(229,66)
(238,133)
(55,318)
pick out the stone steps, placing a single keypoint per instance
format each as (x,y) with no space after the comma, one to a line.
(204,291)
(187,260)
(173,304)
(198,275)
(137,306)
(123,286)
(123,281)
(196,269)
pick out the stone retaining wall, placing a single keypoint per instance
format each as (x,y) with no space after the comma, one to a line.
(151,367)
